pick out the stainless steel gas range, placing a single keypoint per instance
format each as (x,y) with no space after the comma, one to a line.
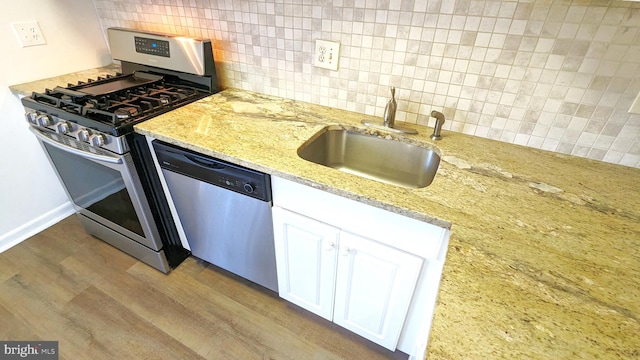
(86,131)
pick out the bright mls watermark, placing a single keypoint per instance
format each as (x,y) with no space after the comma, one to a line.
(33,350)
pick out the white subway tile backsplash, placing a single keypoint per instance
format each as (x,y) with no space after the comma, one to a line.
(558,75)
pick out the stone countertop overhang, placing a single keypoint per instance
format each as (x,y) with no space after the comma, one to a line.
(544,256)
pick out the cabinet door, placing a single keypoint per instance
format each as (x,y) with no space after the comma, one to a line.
(306,252)
(374,287)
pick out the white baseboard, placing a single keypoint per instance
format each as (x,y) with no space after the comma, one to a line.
(23,232)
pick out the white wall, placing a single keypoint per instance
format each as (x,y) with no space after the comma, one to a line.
(31,197)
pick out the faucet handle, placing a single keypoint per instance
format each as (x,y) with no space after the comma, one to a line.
(437,128)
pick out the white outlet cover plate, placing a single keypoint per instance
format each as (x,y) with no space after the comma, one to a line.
(28,33)
(327,54)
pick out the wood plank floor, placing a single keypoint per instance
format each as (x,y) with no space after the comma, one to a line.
(100,303)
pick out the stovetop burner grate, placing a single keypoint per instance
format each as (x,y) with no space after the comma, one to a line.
(121,100)
(129,105)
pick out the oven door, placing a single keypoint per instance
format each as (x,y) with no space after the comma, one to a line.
(103,186)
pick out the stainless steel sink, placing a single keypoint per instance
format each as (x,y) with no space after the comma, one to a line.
(389,161)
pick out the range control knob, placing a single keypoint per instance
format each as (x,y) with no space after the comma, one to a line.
(31,117)
(83,135)
(249,187)
(44,120)
(62,127)
(97,140)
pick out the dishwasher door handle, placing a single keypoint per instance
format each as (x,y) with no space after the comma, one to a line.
(214,165)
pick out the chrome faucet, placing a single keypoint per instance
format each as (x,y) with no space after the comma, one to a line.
(437,128)
(389,117)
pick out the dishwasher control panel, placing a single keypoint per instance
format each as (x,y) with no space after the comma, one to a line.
(239,184)
(213,171)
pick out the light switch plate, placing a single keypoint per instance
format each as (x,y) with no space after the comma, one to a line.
(635,107)
(327,54)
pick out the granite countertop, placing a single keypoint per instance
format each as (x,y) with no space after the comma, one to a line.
(544,255)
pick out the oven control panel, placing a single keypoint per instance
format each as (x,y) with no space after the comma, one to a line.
(152,46)
(164,51)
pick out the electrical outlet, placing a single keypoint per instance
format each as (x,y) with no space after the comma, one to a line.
(327,54)
(635,107)
(28,33)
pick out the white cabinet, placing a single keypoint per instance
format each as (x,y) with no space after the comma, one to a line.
(374,286)
(360,284)
(306,261)
(385,285)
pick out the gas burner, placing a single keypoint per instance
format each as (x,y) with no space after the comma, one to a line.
(126,112)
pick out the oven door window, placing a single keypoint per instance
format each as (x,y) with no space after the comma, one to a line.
(96,188)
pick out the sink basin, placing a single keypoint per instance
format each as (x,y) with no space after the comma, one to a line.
(389,161)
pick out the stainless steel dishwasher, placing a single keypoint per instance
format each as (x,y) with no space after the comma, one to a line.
(225,212)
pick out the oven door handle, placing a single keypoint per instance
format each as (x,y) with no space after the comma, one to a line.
(84,154)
